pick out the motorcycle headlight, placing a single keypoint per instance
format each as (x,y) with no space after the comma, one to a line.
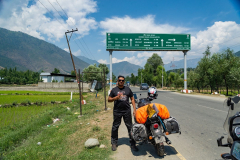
(237,132)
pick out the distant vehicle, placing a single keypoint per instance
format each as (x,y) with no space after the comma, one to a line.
(128,83)
(144,86)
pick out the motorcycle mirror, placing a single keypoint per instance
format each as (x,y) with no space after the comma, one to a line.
(229,101)
(232,106)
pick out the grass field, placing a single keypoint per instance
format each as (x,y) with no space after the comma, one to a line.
(35,93)
(9,99)
(21,128)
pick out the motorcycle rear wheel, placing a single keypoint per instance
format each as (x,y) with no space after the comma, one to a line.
(160,150)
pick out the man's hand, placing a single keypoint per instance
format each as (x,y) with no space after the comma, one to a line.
(134,112)
(117,97)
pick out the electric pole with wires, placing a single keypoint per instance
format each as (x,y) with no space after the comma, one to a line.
(71,52)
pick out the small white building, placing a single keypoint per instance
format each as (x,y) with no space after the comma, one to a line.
(49,77)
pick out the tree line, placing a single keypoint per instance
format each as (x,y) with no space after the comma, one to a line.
(218,71)
(12,76)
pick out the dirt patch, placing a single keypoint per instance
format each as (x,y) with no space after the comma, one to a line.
(85,130)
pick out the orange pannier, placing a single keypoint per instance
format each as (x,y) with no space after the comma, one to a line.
(141,113)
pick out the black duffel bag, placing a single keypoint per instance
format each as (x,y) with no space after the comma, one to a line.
(172,125)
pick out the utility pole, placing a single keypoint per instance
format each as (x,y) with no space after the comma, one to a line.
(141,77)
(71,52)
(162,76)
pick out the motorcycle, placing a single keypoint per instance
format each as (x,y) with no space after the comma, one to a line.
(155,129)
(232,127)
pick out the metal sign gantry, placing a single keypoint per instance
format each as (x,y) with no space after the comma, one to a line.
(148,42)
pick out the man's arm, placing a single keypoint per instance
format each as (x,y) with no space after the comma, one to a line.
(111,99)
(134,106)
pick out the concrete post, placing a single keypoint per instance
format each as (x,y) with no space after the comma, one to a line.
(185,69)
(110,54)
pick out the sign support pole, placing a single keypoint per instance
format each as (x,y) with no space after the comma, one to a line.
(110,54)
(162,76)
(185,69)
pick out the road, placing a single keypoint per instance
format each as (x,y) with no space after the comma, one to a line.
(201,120)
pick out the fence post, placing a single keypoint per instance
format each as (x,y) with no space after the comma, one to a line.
(80,97)
(104,88)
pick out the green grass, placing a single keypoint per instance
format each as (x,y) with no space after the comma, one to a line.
(9,99)
(37,93)
(10,116)
(62,140)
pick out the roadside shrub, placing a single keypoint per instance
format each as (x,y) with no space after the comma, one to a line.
(64,101)
(96,128)
(14,103)
(38,102)
(24,103)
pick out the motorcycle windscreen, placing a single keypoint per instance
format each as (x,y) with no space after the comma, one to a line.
(231,113)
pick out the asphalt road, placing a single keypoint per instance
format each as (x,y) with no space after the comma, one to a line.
(201,120)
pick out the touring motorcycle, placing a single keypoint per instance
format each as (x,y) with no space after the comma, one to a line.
(232,127)
(155,129)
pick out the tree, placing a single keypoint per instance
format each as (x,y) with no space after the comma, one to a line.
(207,53)
(73,73)
(133,79)
(103,66)
(89,77)
(114,78)
(154,61)
(57,71)
(228,61)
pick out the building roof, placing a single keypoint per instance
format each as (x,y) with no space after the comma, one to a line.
(55,74)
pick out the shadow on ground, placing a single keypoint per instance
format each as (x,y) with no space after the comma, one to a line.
(147,149)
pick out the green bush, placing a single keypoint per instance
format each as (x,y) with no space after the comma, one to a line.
(14,103)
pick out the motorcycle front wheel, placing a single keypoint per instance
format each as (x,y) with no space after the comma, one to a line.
(160,149)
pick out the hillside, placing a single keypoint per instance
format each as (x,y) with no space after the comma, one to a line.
(20,50)
(122,68)
(191,63)
(237,54)
(87,60)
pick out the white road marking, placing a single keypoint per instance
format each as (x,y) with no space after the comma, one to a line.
(212,108)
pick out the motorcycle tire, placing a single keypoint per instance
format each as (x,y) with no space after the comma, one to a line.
(160,150)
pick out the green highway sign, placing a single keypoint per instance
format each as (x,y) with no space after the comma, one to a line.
(147,42)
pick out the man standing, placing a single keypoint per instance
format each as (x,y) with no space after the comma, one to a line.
(120,95)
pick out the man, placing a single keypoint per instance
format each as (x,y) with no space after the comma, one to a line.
(120,95)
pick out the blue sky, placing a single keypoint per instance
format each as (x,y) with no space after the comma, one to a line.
(215,23)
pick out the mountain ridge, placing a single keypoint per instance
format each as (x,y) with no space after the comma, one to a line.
(26,52)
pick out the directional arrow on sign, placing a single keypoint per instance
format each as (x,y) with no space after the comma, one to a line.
(162,42)
(171,39)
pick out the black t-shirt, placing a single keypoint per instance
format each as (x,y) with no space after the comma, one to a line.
(122,104)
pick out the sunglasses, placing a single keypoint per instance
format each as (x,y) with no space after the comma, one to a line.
(121,80)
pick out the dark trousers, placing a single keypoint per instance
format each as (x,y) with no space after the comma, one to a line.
(117,117)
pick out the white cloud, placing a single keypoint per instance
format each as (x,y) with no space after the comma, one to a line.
(77,53)
(66,49)
(218,36)
(102,61)
(99,50)
(137,25)
(33,19)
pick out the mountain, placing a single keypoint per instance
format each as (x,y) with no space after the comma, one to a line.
(87,60)
(20,50)
(124,68)
(191,63)
(237,54)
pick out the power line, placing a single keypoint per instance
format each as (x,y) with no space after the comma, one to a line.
(76,27)
(57,20)
(63,19)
